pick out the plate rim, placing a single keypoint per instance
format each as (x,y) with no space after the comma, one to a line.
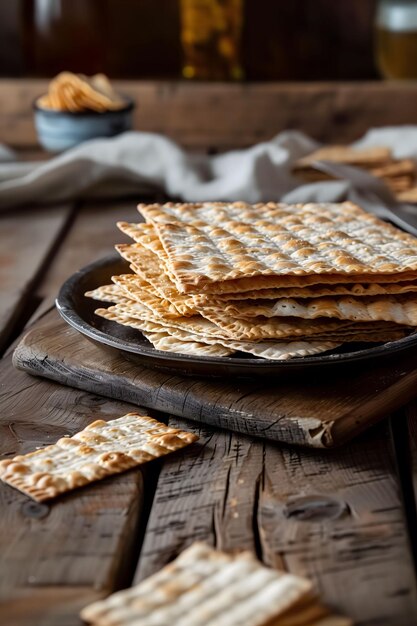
(70,315)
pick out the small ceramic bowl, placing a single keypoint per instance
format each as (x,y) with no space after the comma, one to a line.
(60,130)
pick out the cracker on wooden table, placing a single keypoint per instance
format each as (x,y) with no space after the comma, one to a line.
(210,245)
(100,450)
(204,587)
(398,309)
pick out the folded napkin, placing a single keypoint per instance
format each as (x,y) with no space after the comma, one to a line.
(137,163)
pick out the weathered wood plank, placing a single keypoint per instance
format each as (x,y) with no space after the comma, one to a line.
(92,235)
(406,450)
(338,519)
(47,606)
(224,115)
(335,518)
(199,490)
(311,410)
(84,539)
(27,239)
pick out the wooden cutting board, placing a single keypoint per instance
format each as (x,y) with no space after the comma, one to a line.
(321,411)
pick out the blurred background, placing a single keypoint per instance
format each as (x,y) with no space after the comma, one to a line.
(256,40)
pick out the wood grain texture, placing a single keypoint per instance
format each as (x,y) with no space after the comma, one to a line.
(318,411)
(84,539)
(221,115)
(27,239)
(93,234)
(406,449)
(47,606)
(335,518)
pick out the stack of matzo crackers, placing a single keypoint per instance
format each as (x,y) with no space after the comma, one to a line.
(204,587)
(398,174)
(272,280)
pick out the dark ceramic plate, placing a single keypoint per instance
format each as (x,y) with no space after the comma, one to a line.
(78,311)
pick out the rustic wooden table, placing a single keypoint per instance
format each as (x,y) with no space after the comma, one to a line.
(344,517)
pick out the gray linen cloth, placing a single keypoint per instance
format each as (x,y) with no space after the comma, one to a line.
(137,162)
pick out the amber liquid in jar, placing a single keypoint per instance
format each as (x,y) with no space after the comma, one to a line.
(396,53)
(396,38)
(210,37)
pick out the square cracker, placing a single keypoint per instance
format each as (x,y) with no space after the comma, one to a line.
(150,261)
(100,450)
(220,247)
(205,587)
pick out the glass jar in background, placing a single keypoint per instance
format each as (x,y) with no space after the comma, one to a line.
(68,35)
(211,39)
(396,38)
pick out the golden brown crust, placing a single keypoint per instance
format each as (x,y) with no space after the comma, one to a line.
(211,245)
(273,280)
(203,331)
(100,450)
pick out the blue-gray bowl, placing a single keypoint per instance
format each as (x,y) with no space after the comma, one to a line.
(60,130)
